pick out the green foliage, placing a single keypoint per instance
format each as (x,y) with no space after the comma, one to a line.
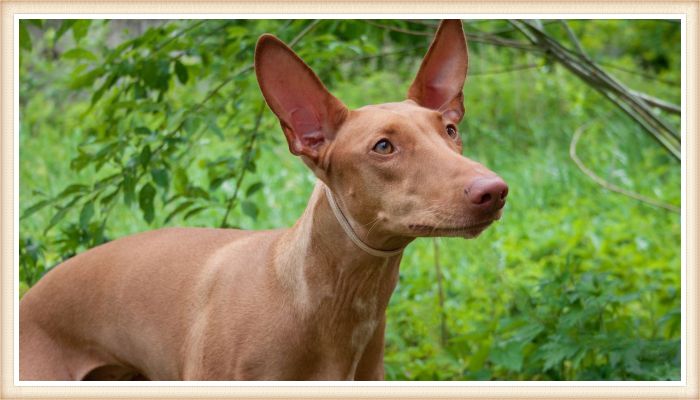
(131,125)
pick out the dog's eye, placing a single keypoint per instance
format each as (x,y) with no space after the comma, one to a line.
(451,131)
(383,147)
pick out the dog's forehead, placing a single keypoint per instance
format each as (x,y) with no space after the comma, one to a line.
(386,113)
(400,107)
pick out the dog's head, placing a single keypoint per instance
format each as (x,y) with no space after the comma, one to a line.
(395,166)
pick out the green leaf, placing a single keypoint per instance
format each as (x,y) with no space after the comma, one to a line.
(129,187)
(74,188)
(181,72)
(235,31)
(142,130)
(194,211)
(97,95)
(101,91)
(106,149)
(180,180)
(146,196)
(196,191)
(214,127)
(86,214)
(250,209)
(145,156)
(86,79)
(181,207)
(62,211)
(126,104)
(155,74)
(149,73)
(79,53)
(528,332)
(631,359)
(476,360)
(65,26)
(192,124)
(615,357)
(509,356)
(160,177)
(25,40)
(253,188)
(139,91)
(80,28)
(556,352)
(217,181)
(36,207)
(249,161)
(108,198)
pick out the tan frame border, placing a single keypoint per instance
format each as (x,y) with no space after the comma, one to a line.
(7,217)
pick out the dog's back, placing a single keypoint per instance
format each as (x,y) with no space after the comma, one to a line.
(149,285)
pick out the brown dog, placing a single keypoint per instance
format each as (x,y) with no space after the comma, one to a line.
(306,302)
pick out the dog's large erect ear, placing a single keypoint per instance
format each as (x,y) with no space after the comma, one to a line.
(308,113)
(439,82)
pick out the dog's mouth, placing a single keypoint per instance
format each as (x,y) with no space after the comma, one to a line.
(470,230)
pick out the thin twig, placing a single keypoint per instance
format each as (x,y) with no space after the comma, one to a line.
(228,80)
(304,31)
(479,37)
(607,185)
(658,103)
(231,201)
(513,29)
(431,25)
(639,73)
(574,40)
(499,41)
(605,84)
(399,30)
(381,55)
(505,70)
(441,294)
(177,35)
(650,100)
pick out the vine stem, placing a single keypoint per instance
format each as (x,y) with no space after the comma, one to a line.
(232,200)
(607,185)
(248,149)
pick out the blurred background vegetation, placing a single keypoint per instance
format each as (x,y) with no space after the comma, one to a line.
(132,125)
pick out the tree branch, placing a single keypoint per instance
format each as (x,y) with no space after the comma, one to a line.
(231,201)
(607,185)
(611,88)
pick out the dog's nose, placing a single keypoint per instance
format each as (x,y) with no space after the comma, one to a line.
(487,193)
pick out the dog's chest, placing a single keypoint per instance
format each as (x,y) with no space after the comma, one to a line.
(367,321)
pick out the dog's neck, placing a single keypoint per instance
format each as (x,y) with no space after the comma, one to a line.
(335,288)
(320,264)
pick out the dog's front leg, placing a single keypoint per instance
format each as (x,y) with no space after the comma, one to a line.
(371,364)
